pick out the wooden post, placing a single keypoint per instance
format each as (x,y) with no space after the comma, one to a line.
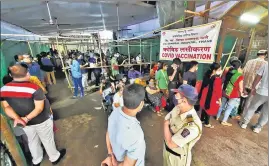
(221,44)
(10,141)
(238,47)
(63,67)
(253,32)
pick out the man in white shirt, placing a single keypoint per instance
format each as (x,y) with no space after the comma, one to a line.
(260,97)
(118,98)
(249,74)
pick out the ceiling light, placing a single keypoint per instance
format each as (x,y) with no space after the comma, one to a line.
(249,18)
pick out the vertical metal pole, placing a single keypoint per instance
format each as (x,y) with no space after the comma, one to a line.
(40,45)
(64,69)
(100,49)
(150,55)
(140,55)
(129,56)
(31,51)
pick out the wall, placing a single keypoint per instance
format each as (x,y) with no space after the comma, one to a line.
(12,48)
(259,43)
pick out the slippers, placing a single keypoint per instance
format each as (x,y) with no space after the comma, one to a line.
(238,117)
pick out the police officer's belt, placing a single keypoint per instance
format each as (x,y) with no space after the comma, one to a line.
(171,151)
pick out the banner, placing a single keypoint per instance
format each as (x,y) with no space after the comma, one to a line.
(193,43)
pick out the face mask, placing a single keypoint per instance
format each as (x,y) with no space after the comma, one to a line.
(151,83)
(175,101)
(218,73)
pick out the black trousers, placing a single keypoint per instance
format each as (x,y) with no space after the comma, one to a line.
(171,85)
(205,117)
(97,75)
(89,74)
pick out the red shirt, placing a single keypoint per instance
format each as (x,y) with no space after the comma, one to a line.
(236,93)
(216,95)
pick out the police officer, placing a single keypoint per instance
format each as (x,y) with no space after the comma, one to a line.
(182,128)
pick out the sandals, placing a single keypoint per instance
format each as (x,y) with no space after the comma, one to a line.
(209,126)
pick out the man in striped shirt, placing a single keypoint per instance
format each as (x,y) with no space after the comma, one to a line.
(249,73)
(27,105)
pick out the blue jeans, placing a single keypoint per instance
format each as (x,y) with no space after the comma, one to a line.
(78,83)
(108,99)
(228,105)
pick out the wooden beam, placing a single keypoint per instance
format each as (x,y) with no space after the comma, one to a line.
(253,32)
(237,17)
(206,14)
(260,4)
(237,33)
(11,143)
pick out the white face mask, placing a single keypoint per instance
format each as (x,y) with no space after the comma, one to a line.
(218,72)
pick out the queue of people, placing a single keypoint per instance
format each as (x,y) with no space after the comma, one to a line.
(221,93)
(23,99)
(237,91)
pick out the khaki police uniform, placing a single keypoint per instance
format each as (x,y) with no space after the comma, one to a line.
(186,129)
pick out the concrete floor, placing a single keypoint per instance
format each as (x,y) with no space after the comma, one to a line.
(82,130)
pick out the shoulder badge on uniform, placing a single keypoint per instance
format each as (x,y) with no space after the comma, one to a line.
(190,119)
(185,133)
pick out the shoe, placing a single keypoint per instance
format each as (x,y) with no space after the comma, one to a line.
(73,97)
(62,154)
(243,125)
(226,124)
(257,130)
(209,126)
(217,119)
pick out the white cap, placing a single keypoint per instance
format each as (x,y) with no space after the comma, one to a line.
(262,52)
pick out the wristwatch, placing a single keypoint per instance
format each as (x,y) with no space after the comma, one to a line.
(109,154)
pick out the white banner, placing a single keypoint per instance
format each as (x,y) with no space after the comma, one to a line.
(193,43)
